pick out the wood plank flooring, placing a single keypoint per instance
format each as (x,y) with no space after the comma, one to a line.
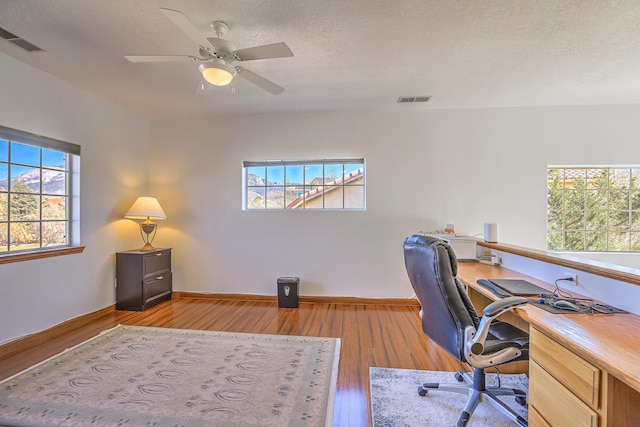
(381,335)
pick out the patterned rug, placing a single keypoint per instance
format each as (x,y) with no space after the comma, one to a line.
(395,401)
(140,376)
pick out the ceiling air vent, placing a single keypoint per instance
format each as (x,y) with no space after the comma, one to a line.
(410,99)
(12,38)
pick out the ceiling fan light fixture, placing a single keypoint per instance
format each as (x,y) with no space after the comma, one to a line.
(217,73)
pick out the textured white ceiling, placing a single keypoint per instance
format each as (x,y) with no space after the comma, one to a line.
(349,54)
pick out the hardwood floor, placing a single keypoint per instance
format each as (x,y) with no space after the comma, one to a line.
(381,335)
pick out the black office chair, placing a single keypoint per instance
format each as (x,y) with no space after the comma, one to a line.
(449,319)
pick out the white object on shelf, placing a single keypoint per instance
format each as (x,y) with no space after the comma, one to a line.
(463,247)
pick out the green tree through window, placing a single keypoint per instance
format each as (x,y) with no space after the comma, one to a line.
(593,209)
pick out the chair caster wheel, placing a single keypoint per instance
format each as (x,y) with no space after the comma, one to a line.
(422,391)
(459,377)
(521,400)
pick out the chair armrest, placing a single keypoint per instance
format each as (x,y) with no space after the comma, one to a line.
(498,307)
(475,339)
(492,311)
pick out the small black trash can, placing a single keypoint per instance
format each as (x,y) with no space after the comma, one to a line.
(288,292)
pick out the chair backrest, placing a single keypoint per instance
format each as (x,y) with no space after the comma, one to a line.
(446,308)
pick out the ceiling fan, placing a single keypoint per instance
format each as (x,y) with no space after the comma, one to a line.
(218,56)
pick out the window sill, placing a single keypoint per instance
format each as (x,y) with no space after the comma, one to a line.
(611,271)
(28,256)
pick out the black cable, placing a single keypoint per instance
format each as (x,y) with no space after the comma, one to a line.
(559,293)
(586,305)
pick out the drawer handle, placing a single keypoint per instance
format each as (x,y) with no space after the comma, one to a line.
(159,277)
(159,254)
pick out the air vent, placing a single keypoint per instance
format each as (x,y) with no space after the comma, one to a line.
(6,34)
(405,99)
(12,38)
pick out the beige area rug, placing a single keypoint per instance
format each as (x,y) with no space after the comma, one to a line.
(395,401)
(140,376)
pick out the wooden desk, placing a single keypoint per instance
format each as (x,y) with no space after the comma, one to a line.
(584,369)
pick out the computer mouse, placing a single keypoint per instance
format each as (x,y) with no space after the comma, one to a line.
(563,304)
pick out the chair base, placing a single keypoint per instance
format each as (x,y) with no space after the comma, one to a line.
(475,387)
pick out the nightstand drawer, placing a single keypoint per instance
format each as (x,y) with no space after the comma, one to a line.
(157,262)
(157,286)
(555,403)
(575,373)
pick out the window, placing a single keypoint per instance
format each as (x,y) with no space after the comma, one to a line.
(313,184)
(593,209)
(36,183)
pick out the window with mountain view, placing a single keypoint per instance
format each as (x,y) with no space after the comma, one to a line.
(312,184)
(35,175)
(591,209)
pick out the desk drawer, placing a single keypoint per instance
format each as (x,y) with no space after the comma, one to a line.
(575,373)
(535,419)
(556,404)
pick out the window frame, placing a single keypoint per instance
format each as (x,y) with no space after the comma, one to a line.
(72,195)
(600,212)
(310,190)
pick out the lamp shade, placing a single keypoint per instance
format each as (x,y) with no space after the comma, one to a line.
(217,73)
(146,207)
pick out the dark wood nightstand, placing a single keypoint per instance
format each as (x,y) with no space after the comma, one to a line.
(143,278)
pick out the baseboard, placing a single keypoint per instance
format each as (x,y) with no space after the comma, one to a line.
(29,341)
(303,298)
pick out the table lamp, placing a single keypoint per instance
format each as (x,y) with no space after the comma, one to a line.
(146,208)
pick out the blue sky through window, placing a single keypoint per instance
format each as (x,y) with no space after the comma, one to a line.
(25,154)
(312,172)
(4,150)
(275,174)
(53,159)
(294,174)
(299,174)
(28,155)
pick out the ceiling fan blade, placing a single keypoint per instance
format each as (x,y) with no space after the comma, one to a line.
(161,58)
(186,26)
(260,81)
(276,50)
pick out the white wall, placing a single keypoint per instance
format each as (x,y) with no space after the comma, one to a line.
(35,295)
(197,173)
(425,168)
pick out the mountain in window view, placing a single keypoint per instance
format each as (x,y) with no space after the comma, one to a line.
(53,181)
(255,180)
(256,185)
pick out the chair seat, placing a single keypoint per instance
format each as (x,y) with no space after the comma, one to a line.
(503,335)
(507,332)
